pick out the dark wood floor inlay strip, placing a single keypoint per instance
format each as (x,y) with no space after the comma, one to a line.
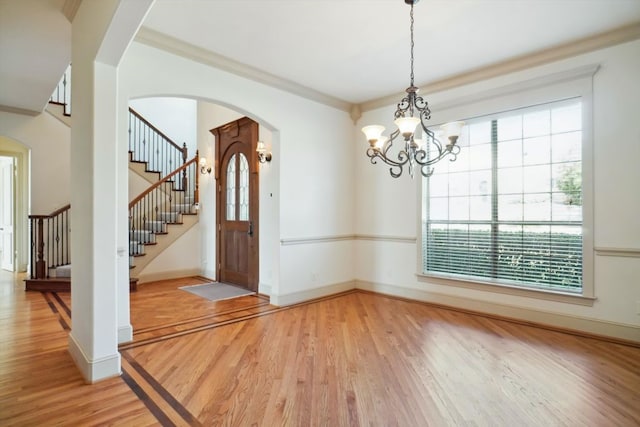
(168,397)
(148,402)
(55,311)
(140,343)
(197,319)
(62,304)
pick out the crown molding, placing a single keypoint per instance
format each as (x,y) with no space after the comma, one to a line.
(177,47)
(541,57)
(70,8)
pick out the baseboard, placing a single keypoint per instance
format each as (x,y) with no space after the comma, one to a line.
(617,332)
(309,294)
(167,275)
(94,370)
(125,334)
(264,289)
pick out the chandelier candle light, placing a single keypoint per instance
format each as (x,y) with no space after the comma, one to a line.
(412,110)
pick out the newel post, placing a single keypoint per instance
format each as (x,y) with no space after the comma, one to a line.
(41,264)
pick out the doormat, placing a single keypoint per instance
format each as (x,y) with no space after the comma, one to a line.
(216,291)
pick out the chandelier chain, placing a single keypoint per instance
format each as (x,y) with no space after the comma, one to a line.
(411,15)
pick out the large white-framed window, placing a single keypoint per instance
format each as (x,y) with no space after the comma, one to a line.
(514,211)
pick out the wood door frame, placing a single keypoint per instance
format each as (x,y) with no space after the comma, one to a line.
(254,194)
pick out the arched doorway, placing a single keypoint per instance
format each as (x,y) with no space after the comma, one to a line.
(14,191)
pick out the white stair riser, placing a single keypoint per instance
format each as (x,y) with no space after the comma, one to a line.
(141,236)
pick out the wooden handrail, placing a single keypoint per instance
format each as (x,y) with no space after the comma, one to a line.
(162,181)
(52,214)
(155,129)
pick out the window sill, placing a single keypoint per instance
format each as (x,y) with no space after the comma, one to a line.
(488,286)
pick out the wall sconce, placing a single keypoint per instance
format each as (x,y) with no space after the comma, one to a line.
(263,155)
(204,167)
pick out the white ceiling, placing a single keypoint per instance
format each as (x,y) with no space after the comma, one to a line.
(358,50)
(352,50)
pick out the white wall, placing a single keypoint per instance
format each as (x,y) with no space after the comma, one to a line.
(48,139)
(392,209)
(313,196)
(180,259)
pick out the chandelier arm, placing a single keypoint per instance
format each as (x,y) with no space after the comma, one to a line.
(426,171)
(389,142)
(375,154)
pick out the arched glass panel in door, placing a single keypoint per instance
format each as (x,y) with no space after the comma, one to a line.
(231,189)
(238,188)
(244,188)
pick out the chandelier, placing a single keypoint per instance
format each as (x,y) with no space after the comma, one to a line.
(424,152)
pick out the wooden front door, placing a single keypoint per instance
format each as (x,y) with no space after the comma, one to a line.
(237,202)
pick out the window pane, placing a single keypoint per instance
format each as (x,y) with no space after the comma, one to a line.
(528,233)
(438,185)
(510,128)
(566,118)
(510,208)
(480,208)
(459,184)
(479,133)
(566,207)
(566,147)
(567,177)
(537,179)
(459,208)
(536,123)
(244,188)
(439,208)
(536,151)
(479,157)
(537,207)
(480,182)
(231,189)
(510,181)
(510,153)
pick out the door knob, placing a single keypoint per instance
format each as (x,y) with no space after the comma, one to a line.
(250,232)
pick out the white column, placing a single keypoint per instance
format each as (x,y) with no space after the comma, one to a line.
(101,33)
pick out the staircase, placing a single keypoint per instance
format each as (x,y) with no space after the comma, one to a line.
(163,213)
(157,217)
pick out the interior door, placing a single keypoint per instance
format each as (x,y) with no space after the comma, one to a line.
(237,202)
(7,192)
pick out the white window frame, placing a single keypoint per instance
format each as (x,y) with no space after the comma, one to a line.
(577,82)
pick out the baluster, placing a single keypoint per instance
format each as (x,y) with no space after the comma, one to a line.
(41,264)
(196,175)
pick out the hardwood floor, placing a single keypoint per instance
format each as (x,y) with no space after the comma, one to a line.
(351,359)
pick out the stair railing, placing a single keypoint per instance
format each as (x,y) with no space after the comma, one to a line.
(163,202)
(62,93)
(148,144)
(50,238)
